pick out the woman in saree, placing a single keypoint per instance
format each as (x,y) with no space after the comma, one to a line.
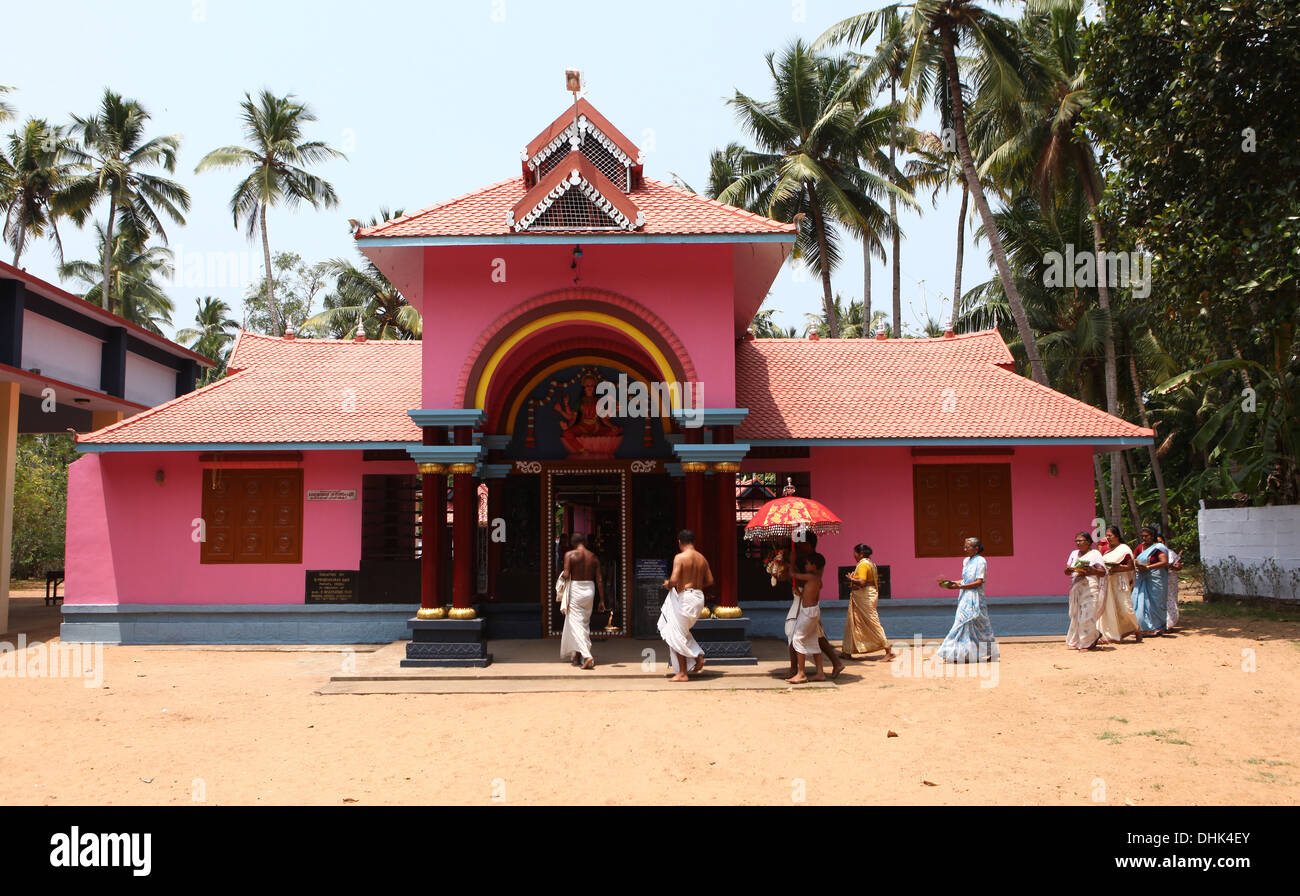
(1151,591)
(971,638)
(1117,619)
(1086,569)
(863,632)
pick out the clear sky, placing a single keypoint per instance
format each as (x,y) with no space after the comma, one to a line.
(432,100)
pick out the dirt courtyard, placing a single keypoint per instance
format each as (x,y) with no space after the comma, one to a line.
(1210,715)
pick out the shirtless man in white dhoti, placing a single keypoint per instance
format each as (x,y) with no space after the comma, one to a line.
(682,607)
(808,621)
(582,568)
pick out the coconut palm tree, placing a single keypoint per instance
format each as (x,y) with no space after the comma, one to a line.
(765,328)
(277,156)
(805,169)
(212,335)
(933,31)
(1038,140)
(134,288)
(114,158)
(936,168)
(364,296)
(6,111)
(34,178)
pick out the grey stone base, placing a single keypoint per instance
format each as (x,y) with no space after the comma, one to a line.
(454,643)
(725,641)
(235,623)
(929,618)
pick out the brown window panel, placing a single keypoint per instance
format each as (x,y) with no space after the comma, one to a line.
(252,516)
(953,502)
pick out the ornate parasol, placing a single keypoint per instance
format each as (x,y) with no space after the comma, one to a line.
(783,517)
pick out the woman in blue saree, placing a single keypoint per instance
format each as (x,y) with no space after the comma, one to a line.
(971,638)
(1150,592)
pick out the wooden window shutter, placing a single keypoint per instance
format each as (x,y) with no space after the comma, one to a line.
(252,516)
(953,502)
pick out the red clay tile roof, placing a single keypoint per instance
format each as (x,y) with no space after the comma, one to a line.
(898,389)
(667,210)
(283,391)
(297,391)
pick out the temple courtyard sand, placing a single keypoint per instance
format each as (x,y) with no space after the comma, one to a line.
(1210,716)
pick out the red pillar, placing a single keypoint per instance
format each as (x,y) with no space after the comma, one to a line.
(694,487)
(464,517)
(433,524)
(725,568)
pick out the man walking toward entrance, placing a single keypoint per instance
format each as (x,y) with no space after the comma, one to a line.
(582,570)
(682,607)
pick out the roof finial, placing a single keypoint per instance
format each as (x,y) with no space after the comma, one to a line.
(360,335)
(880,330)
(789,487)
(289,332)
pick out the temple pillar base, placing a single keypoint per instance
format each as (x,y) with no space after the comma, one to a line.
(725,641)
(447,643)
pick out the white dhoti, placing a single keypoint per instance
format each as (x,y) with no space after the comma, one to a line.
(1171,600)
(676,617)
(577,622)
(807,629)
(1085,611)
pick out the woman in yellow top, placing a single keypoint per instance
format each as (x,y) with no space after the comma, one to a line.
(863,632)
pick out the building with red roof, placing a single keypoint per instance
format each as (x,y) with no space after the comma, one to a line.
(586,367)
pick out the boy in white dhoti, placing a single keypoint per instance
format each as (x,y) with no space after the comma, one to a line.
(682,607)
(808,621)
(582,569)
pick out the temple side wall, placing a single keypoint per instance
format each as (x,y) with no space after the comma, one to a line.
(871,490)
(130,538)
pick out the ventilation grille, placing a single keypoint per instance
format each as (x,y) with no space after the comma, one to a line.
(573,211)
(596,153)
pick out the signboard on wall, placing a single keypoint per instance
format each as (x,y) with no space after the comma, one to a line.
(332,586)
(648,595)
(332,494)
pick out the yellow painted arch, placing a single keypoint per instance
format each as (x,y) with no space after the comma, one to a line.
(592,317)
(532,384)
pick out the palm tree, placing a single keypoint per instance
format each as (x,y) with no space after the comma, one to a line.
(276,154)
(134,287)
(113,157)
(6,111)
(943,26)
(34,178)
(938,169)
(364,296)
(212,335)
(764,328)
(806,169)
(1039,141)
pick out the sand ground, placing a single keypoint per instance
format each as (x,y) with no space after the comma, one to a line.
(1209,716)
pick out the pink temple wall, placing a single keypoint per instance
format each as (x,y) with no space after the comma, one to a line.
(129,538)
(871,490)
(689,286)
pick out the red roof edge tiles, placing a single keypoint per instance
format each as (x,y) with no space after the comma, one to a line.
(901,390)
(537,199)
(581,109)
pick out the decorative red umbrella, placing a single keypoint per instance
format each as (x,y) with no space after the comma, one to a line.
(783,517)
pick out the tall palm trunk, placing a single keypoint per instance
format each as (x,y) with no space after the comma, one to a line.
(1155,458)
(276,330)
(961,251)
(106,298)
(948,40)
(828,304)
(1091,192)
(893,216)
(1121,460)
(866,286)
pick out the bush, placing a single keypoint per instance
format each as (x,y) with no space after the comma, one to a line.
(40,503)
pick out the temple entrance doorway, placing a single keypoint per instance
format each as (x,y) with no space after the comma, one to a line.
(593,504)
